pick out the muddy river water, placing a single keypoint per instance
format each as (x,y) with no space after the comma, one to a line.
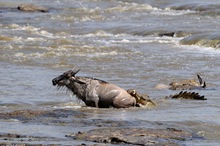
(134,44)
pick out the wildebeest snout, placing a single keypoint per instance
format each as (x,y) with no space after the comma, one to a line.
(54,81)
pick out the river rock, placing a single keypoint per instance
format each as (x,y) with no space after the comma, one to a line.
(134,136)
(32,8)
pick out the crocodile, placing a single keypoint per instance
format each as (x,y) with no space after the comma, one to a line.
(188,84)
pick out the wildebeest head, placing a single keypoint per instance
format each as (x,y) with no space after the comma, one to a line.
(64,79)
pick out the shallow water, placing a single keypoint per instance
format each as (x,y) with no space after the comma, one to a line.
(122,42)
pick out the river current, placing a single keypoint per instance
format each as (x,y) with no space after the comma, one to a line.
(134,44)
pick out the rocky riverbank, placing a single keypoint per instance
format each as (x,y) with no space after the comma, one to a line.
(103,131)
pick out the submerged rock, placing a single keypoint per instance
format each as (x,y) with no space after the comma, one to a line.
(203,39)
(173,34)
(134,136)
(32,8)
(36,115)
(7,139)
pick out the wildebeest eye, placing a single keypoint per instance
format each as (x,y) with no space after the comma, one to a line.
(63,76)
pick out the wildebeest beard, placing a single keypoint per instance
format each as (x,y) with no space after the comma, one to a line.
(77,88)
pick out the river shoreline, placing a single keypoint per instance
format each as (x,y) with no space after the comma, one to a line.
(118,132)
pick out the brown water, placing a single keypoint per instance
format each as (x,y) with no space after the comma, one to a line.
(117,41)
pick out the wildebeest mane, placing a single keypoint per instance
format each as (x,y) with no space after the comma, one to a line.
(100,81)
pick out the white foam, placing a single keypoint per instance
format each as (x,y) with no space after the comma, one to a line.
(12,120)
(31,29)
(106,53)
(148,39)
(97,54)
(98,33)
(69,105)
(45,34)
(19,54)
(170,12)
(31,39)
(24,27)
(125,7)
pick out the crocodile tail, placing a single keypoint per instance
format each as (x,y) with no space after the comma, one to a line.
(187,95)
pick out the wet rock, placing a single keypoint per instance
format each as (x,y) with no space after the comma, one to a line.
(9,139)
(32,8)
(21,114)
(169,34)
(203,39)
(130,134)
(134,136)
(36,115)
(173,34)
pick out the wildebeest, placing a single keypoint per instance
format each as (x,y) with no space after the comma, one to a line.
(95,92)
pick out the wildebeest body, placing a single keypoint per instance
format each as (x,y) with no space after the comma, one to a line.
(94,92)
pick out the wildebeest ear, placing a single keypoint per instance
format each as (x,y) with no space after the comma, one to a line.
(75,72)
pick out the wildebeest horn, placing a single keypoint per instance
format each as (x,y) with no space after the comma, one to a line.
(75,72)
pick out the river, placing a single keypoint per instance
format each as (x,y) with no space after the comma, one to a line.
(134,44)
